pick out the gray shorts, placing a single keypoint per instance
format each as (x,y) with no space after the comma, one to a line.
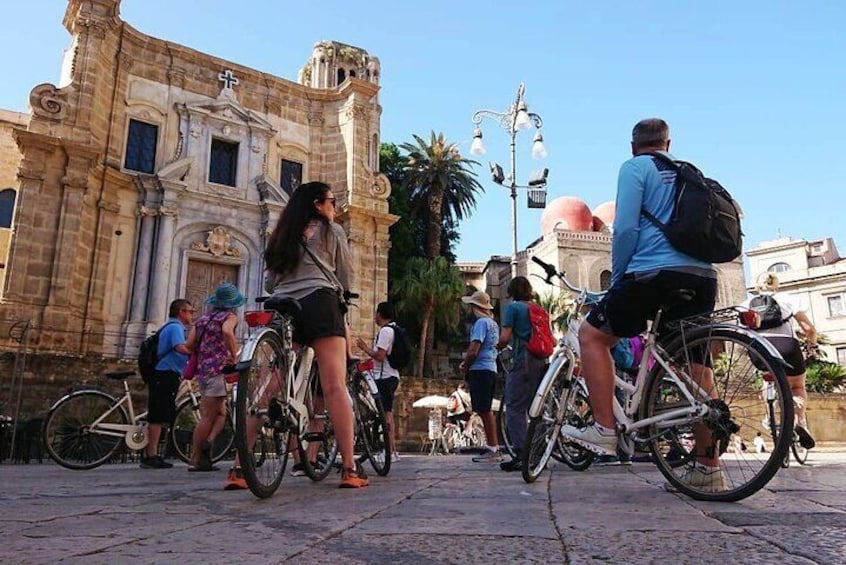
(213,387)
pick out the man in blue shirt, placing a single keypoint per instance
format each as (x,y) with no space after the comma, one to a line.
(161,403)
(645,270)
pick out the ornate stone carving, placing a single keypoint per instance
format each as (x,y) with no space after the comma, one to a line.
(315,118)
(358,112)
(146,212)
(108,206)
(49,102)
(126,60)
(92,26)
(226,129)
(177,170)
(218,243)
(168,211)
(381,186)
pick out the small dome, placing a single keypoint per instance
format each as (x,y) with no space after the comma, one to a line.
(603,216)
(566,212)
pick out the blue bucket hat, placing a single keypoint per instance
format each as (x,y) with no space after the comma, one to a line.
(226,296)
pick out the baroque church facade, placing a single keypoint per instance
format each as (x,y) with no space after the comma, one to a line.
(153,171)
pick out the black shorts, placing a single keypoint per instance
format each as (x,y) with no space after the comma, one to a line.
(482,385)
(387,389)
(634,299)
(791,350)
(161,403)
(320,317)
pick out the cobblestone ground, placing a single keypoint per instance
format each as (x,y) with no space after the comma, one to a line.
(430,510)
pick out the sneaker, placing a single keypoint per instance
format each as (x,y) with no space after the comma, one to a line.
(606,460)
(395,457)
(806,440)
(353,478)
(297,470)
(155,462)
(490,456)
(591,439)
(514,465)
(235,480)
(709,479)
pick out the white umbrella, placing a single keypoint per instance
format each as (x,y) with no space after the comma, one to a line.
(431,401)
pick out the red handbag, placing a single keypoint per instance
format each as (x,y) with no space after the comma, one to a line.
(190,370)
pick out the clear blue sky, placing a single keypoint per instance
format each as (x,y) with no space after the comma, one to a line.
(754,92)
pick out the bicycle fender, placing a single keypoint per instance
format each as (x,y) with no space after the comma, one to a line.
(85,391)
(249,348)
(565,361)
(759,341)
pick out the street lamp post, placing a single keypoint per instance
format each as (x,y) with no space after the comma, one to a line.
(517,118)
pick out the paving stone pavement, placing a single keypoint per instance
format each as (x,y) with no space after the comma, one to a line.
(432,510)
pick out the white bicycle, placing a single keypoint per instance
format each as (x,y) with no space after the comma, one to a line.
(698,379)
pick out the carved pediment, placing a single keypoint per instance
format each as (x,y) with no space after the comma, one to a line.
(228,110)
(218,242)
(177,170)
(269,190)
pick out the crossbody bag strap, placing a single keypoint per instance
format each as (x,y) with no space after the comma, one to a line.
(330,276)
(169,351)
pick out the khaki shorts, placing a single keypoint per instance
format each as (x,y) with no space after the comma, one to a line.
(213,387)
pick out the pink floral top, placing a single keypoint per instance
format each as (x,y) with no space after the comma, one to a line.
(212,352)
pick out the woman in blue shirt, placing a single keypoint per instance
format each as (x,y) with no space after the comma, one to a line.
(479,368)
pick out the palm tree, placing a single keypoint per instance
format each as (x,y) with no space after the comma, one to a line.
(560,307)
(432,289)
(441,185)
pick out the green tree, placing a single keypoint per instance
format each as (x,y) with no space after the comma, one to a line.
(430,289)
(560,306)
(442,188)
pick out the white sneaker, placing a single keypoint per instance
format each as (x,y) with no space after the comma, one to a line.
(591,439)
(395,457)
(708,479)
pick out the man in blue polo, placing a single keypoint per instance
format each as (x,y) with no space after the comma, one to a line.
(163,386)
(645,269)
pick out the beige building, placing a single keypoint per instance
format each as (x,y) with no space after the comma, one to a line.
(815,273)
(153,171)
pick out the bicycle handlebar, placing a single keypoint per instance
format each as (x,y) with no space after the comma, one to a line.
(590,297)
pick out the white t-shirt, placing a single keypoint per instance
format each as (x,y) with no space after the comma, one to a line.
(384,340)
(789,305)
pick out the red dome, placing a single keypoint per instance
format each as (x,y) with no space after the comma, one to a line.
(566,212)
(603,215)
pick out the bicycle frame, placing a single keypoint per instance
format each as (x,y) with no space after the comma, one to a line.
(98,426)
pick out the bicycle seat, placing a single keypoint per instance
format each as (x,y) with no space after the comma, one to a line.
(285,305)
(119,375)
(678,297)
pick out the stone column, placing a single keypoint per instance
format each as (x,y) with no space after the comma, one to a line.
(160,279)
(143,256)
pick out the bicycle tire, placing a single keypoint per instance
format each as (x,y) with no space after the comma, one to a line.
(320,440)
(67,435)
(799,452)
(502,430)
(263,471)
(182,432)
(371,428)
(543,431)
(738,359)
(577,413)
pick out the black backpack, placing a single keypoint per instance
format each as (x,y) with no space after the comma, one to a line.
(400,355)
(705,223)
(148,355)
(768,310)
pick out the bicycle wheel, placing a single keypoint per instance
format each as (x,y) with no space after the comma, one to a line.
(318,447)
(577,413)
(799,452)
(371,428)
(182,432)
(73,439)
(736,359)
(502,429)
(261,424)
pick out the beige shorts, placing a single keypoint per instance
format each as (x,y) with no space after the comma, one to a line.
(213,387)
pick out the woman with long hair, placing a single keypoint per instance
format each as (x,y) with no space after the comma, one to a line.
(308,258)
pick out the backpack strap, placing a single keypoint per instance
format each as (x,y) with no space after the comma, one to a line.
(664,158)
(169,351)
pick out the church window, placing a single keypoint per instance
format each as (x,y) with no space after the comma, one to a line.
(836,306)
(224,162)
(7,207)
(779,268)
(352,74)
(342,76)
(141,147)
(605,280)
(292,176)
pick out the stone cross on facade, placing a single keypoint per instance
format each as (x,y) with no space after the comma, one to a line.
(228,79)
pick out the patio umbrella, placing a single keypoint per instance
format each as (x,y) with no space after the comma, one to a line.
(431,401)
